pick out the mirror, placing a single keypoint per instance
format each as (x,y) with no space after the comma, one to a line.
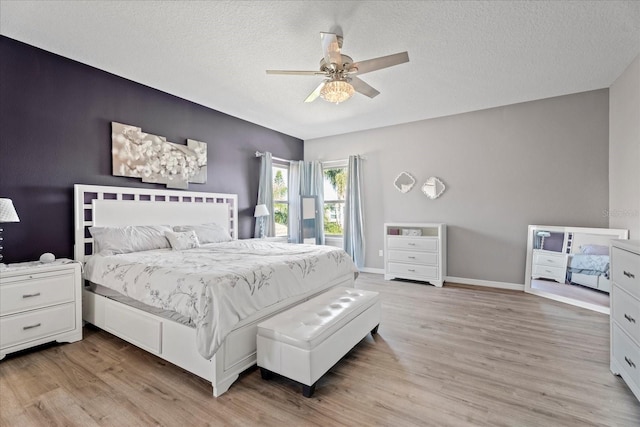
(571,264)
(404,182)
(308,221)
(433,187)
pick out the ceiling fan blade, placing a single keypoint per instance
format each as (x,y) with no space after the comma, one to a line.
(316,93)
(364,88)
(331,49)
(296,73)
(381,62)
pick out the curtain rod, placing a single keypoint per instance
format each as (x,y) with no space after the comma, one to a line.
(259,154)
(343,160)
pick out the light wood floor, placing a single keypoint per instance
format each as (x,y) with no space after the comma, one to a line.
(456,356)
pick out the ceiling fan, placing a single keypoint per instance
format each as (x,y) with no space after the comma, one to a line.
(341,72)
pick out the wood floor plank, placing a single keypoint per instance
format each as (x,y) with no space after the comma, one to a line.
(457,355)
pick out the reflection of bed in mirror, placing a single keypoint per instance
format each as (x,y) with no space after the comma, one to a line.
(568,263)
(589,262)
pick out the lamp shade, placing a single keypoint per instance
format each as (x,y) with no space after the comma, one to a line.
(7,211)
(261,210)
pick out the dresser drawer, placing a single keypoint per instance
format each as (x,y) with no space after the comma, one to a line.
(425,258)
(626,271)
(413,243)
(555,273)
(550,260)
(627,354)
(33,291)
(412,270)
(626,311)
(24,327)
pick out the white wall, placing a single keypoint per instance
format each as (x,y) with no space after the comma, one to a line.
(541,162)
(624,151)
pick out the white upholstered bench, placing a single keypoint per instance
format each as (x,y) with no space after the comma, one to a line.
(303,343)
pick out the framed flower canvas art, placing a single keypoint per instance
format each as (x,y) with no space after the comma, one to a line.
(153,159)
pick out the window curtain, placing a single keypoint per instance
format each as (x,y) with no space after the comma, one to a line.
(353,217)
(294,202)
(265,196)
(305,179)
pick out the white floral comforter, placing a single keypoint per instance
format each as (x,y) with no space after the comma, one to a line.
(594,265)
(218,285)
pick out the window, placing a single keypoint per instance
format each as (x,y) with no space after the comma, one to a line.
(281,199)
(335,188)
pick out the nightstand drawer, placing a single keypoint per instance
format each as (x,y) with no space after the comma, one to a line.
(413,243)
(408,270)
(550,260)
(627,271)
(24,327)
(425,258)
(554,273)
(35,291)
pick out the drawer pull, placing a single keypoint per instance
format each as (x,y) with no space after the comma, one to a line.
(411,257)
(629,318)
(24,328)
(629,275)
(37,294)
(413,244)
(629,362)
(412,270)
(548,271)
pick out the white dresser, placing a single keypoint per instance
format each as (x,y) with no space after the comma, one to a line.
(415,251)
(625,312)
(39,303)
(549,265)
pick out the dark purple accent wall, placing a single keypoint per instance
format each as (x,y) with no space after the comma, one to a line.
(55,131)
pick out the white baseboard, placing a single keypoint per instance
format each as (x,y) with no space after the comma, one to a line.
(372,270)
(462,280)
(486,283)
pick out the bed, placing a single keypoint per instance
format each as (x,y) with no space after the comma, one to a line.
(172,333)
(589,262)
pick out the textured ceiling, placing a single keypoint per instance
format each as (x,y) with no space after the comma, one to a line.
(464,56)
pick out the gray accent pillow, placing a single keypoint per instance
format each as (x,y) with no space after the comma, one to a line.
(182,240)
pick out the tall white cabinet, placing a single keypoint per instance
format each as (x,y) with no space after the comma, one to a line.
(625,312)
(415,251)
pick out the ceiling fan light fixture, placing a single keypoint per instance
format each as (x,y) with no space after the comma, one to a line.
(337,91)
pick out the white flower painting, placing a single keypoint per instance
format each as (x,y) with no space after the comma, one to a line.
(153,159)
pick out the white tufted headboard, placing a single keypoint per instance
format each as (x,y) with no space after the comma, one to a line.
(120,206)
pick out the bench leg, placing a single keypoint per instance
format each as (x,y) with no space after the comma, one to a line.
(307,390)
(375,330)
(266,374)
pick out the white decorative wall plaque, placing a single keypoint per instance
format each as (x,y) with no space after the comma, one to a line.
(153,159)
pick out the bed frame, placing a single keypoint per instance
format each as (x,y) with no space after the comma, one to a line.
(599,282)
(167,339)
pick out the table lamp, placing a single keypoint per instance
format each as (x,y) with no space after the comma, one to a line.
(260,212)
(7,214)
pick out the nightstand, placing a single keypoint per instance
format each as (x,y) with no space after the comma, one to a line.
(39,303)
(549,265)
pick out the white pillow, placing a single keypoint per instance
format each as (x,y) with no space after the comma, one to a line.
(132,238)
(207,233)
(182,240)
